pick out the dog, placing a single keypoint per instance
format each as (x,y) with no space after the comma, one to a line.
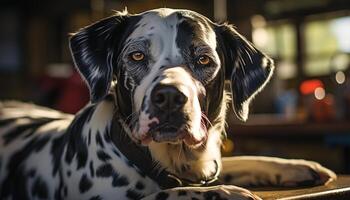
(156,120)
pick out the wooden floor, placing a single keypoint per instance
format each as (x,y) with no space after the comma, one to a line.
(336,190)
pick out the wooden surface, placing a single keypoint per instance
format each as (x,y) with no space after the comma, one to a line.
(336,190)
(304,129)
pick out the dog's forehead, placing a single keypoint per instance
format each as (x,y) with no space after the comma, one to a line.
(167,24)
(172,36)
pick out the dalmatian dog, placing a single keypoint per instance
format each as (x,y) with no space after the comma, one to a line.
(155,123)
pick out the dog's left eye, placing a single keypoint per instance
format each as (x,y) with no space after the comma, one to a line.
(203,60)
(137,56)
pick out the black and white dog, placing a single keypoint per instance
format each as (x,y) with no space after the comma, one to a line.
(156,120)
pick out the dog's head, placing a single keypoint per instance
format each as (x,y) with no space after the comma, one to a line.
(170,67)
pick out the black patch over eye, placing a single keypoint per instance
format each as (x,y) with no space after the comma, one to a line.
(137,56)
(203,60)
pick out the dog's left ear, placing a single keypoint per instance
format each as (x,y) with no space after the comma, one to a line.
(93,49)
(249,68)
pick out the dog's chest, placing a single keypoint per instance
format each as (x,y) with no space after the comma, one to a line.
(107,174)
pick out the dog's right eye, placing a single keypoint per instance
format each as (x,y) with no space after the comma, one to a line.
(203,60)
(137,56)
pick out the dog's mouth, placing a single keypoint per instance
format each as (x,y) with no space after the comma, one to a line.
(166,133)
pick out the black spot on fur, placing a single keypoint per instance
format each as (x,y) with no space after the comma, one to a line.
(39,189)
(82,155)
(119,181)
(185,33)
(134,195)
(15,181)
(69,173)
(56,152)
(41,143)
(139,185)
(103,156)
(107,135)
(84,184)
(57,194)
(162,196)
(58,191)
(182,193)
(99,139)
(97,197)
(21,129)
(92,170)
(154,80)
(89,137)
(65,191)
(76,145)
(105,170)
(18,186)
(88,118)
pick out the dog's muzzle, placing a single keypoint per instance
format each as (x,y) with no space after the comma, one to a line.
(173,110)
(168,104)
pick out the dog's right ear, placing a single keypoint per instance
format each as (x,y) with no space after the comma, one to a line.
(92,49)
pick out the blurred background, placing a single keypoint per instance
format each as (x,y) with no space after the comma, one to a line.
(303,113)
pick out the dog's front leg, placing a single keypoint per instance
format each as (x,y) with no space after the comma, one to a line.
(270,171)
(214,192)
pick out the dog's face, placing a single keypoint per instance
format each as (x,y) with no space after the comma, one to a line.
(168,60)
(170,67)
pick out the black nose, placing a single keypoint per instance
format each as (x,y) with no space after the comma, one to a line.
(168,98)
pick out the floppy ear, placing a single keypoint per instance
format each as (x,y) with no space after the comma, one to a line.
(249,68)
(92,49)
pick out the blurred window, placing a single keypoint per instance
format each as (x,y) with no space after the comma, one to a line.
(9,42)
(323,40)
(278,40)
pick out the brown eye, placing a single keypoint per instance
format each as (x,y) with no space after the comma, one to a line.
(203,60)
(137,56)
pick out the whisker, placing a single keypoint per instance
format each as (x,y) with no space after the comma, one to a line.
(206,119)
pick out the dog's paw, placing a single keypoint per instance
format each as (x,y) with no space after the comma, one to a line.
(305,173)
